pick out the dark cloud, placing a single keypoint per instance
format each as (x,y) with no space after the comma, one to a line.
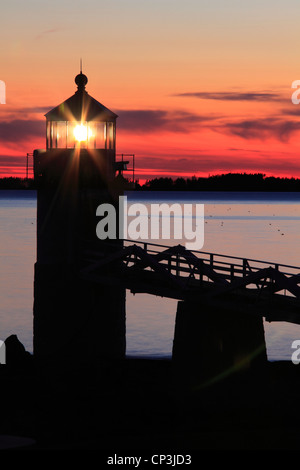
(14,113)
(12,160)
(15,165)
(178,121)
(294,110)
(20,130)
(143,121)
(233,96)
(261,128)
(36,109)
(159,121)
(234,149)
(46,32)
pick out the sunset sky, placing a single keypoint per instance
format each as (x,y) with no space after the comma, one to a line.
(200,86)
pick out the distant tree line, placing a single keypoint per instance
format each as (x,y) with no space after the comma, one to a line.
(12,182)
(223,182)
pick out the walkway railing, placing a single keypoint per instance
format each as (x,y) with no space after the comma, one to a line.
(174,271)
(229,267)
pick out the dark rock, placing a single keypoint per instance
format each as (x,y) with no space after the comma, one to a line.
(16,354)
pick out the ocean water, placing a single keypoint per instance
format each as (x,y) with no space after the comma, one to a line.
(262,226)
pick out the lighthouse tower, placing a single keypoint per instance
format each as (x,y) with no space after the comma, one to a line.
(74,319)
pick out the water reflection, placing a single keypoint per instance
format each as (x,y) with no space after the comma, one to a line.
(260,230)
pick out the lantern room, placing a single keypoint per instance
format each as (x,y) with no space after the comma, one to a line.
(80,141)
(81,121)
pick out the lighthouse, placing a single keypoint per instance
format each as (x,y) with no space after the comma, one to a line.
(75,320)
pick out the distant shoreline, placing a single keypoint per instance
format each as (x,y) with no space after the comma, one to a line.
(230,182)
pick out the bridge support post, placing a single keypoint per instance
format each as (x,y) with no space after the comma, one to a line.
(211,344)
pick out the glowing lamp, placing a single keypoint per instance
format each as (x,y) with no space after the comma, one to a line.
(80,133)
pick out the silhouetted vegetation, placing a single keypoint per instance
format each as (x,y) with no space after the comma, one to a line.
(223,182)
(12,182)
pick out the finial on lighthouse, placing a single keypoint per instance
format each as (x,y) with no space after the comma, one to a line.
(81,79)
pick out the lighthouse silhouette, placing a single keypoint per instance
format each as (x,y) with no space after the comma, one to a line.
(74,319)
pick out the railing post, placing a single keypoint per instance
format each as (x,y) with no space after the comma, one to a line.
(133,169)
(211,256)
(245,262)
(231,272)
(276,267)
(201,272)
(170,263)
(177,264)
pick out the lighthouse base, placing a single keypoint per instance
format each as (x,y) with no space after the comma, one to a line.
(76,320)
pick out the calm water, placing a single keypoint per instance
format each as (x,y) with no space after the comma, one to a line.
(258,226)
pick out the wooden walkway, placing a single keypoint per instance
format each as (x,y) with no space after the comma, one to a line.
(269,289)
